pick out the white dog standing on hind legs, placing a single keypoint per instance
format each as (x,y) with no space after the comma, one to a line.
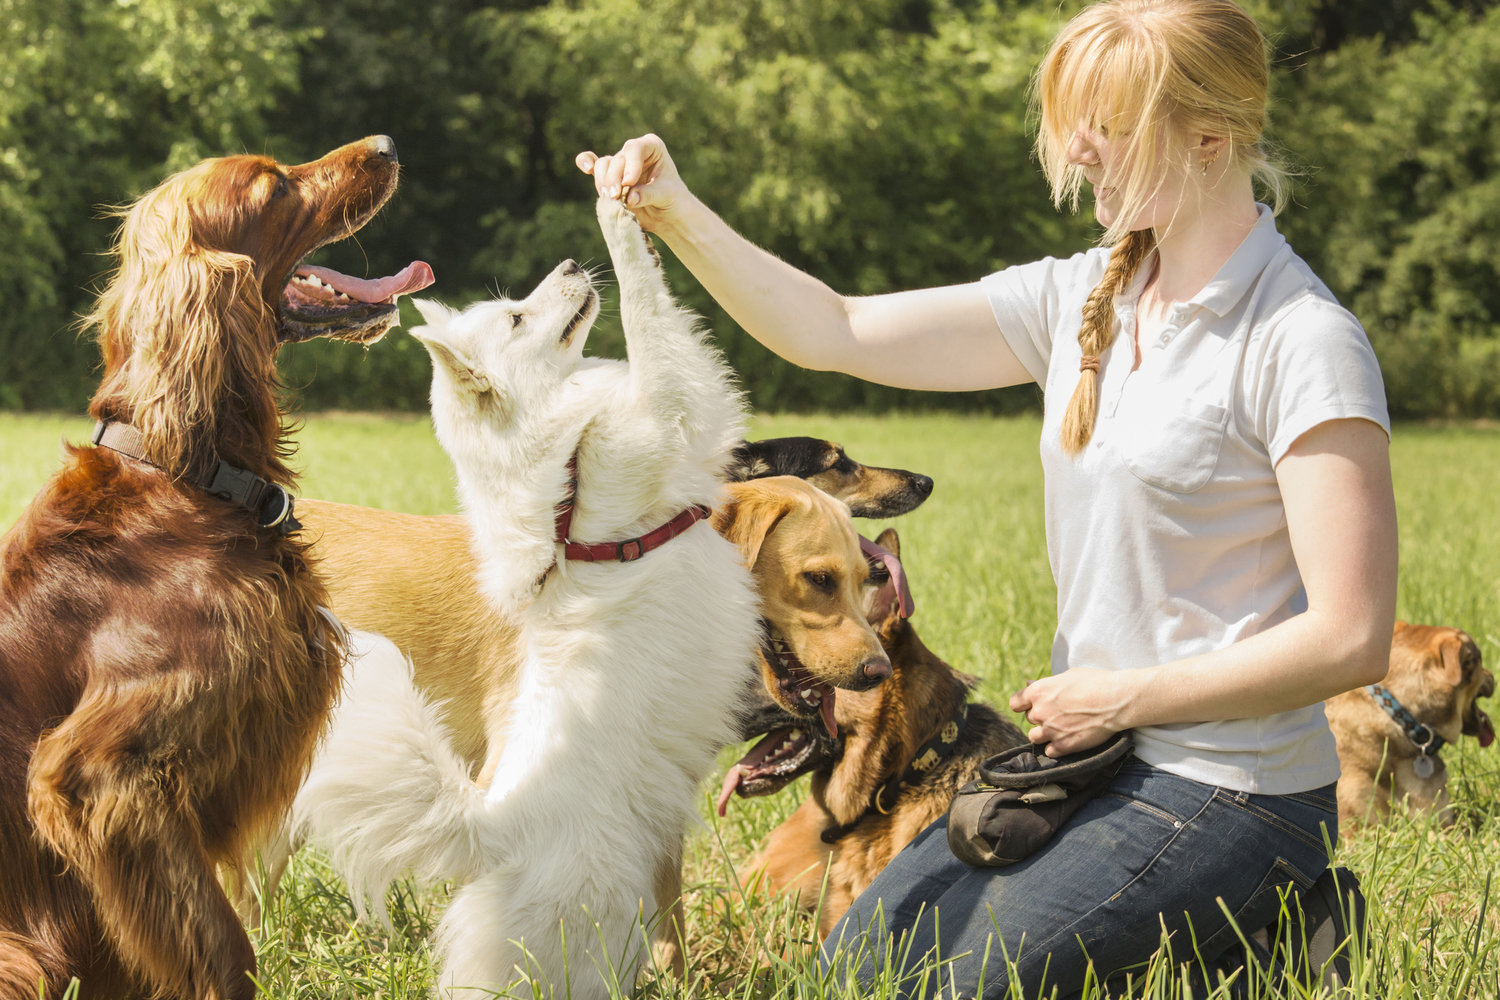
(633,663)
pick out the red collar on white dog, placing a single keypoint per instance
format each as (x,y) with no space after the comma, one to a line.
(627,551)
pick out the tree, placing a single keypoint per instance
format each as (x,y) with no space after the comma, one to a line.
(97,102)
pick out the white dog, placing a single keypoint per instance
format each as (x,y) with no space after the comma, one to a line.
(632,668)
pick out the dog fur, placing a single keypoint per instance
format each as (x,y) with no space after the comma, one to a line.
(630,672)
(880,733)
(413,581)
(164,668)
(1438,675)
(410,577)
(869,491)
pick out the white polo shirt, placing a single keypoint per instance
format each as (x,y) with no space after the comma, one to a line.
(1167,536)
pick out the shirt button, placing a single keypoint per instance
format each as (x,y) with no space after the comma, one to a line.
(1164,339)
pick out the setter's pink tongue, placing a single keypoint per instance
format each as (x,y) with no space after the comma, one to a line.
(416,276)
(1486,729)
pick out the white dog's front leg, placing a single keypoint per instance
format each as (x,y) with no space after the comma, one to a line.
(675,376)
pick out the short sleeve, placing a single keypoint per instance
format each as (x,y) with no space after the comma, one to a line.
(1031,300)
(1319,366)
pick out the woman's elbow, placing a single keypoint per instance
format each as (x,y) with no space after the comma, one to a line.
(1367,659)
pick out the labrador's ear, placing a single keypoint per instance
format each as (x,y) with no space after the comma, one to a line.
(890,541)
(749,513)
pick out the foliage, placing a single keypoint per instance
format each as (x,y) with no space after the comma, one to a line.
(1399,215)
(97,102)
(881,145)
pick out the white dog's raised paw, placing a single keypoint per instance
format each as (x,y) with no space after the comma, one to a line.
(623,234)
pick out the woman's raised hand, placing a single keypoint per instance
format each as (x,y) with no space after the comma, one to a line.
(643,175)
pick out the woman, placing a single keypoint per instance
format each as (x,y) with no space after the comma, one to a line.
(1219,511)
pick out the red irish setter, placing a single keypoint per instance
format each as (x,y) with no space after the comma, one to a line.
(165,670)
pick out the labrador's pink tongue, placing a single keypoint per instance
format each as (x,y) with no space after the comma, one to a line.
(726,790)
(1486,730)
(827,709)
(413,278)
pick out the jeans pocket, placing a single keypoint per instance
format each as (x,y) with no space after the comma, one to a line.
(1260,908)
(1325,798)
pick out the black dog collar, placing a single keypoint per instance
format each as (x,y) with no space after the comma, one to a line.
(269,502)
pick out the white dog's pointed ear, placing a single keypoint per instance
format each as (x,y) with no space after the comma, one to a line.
(463,371)
(434,312)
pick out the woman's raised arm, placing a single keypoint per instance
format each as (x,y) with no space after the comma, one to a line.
(943,338)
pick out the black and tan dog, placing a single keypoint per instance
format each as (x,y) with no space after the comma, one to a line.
(903,750)
(1389,734)
(868,490)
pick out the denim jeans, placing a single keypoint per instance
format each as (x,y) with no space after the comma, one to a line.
(1153,855)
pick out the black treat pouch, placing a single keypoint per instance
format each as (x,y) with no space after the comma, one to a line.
(1022,796)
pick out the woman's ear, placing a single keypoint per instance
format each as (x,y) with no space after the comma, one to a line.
(1210,148)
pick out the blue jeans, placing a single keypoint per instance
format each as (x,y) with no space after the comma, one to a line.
(1153,855)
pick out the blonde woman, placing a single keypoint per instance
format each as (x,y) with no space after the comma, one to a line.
(1219,511)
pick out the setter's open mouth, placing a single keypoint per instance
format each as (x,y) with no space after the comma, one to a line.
(322,302)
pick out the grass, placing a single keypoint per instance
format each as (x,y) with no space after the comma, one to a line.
(985,601)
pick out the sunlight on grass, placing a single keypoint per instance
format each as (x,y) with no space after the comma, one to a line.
(985,602)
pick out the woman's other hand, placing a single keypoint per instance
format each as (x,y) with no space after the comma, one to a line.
(1071,711)
(643,175)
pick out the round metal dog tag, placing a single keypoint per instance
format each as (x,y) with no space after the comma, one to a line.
(1423,766)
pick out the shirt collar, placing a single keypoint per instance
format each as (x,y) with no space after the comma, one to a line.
(1225,290)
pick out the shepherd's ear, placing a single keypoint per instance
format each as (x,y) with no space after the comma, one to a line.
(464,371)
(433,312)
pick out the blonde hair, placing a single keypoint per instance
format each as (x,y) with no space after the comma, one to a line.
(1147,72)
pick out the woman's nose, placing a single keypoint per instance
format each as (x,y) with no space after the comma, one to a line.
(1081,150)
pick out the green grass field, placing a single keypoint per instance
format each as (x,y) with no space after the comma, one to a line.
(976,557)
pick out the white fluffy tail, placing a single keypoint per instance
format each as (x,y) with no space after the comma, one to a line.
(387,795)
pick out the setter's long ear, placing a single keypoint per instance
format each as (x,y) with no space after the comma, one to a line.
(184,332)
(747,516)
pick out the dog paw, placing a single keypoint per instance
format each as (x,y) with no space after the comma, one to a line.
(623,234)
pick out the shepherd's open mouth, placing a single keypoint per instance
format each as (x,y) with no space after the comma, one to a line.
(773,763)
(800,692)
(322,302)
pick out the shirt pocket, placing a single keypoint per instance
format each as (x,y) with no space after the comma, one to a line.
(1173,444)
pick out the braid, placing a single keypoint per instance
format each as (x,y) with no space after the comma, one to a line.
(1097,332)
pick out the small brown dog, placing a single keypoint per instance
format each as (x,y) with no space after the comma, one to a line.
(905,748)
(1389,734)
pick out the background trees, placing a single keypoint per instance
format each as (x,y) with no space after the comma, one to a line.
(881,144)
